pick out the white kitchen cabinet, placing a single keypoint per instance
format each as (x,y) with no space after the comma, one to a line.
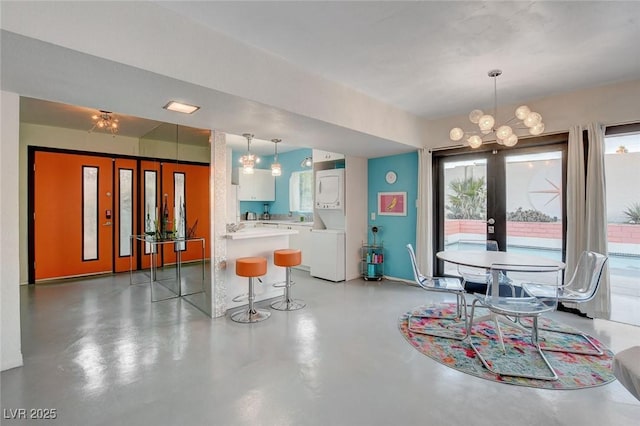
(320,156)
(259,186)
(301,241)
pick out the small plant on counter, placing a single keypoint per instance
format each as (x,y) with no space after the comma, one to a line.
(633,213)
(531,215)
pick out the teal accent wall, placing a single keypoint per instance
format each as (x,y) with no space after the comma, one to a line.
(395,231)
(290,162)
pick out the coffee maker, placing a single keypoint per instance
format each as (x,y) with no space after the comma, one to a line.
(265,214)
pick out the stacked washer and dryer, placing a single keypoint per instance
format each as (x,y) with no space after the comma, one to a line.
(328,245)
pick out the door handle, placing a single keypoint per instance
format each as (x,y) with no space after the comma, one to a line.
(106,224)
(491,221)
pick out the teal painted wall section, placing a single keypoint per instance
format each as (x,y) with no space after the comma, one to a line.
(396,231)
(290,162)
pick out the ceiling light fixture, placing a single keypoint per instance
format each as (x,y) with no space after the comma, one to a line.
(276,168)
(105,121)
(504,134)
(181,107)
(248,160)
(306,162)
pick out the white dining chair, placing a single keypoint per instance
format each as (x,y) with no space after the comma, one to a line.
(440,285)
(515,308)
(581,288)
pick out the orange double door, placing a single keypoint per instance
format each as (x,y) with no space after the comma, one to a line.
(86,207)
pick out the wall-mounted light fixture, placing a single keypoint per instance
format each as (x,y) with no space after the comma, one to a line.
(306,162)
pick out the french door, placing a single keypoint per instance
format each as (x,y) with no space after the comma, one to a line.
(514,196)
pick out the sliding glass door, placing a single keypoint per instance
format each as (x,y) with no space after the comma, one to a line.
(513,196)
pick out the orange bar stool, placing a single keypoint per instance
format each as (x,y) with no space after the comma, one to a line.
(251,267)
(287,258)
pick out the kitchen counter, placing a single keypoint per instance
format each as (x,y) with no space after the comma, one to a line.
(249,242)
(259,223)
(258,232)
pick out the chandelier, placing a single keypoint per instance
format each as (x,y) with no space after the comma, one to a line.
(248,160)
(504,134)
(276,168)
(105,121)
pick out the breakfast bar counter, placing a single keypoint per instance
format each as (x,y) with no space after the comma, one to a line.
(250,242)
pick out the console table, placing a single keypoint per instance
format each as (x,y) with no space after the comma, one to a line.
(155,243)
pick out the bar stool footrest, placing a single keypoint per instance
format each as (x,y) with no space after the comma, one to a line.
(241,298)
(288,305)
(250,316)
(282,284)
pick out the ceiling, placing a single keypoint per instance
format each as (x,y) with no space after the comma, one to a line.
(428,58)
(47,113)
(431,58)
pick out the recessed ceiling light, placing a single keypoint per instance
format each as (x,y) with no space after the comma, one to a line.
(180,107)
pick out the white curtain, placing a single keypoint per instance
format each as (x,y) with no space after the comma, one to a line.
(575,199)
(424,225)
(596,219)
(586,210)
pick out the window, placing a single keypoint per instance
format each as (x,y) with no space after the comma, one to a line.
(622,161)
(301,191)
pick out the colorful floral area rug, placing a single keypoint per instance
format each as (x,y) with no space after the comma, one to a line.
(574,371)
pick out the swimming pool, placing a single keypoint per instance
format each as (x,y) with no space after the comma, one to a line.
(626,265)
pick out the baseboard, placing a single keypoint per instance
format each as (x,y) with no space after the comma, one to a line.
(563,308)
(13,362)
(401,280)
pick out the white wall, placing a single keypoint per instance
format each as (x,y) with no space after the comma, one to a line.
(223,64)
(10,344)
(356,213)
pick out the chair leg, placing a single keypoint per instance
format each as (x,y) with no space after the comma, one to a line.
(596,350)
(499,331)
(490,367)
(460,309)
(251,314)
(288,303)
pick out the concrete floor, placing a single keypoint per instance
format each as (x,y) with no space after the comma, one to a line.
(100,353)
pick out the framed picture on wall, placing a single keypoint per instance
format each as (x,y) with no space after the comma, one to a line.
(392,203)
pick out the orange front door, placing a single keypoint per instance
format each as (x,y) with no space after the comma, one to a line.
(73,215)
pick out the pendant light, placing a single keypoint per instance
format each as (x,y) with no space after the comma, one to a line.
(248,160)
(276,169)
(504,134)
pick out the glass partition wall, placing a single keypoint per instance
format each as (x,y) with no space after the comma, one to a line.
(175,207)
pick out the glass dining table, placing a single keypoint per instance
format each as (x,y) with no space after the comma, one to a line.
(484,259)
